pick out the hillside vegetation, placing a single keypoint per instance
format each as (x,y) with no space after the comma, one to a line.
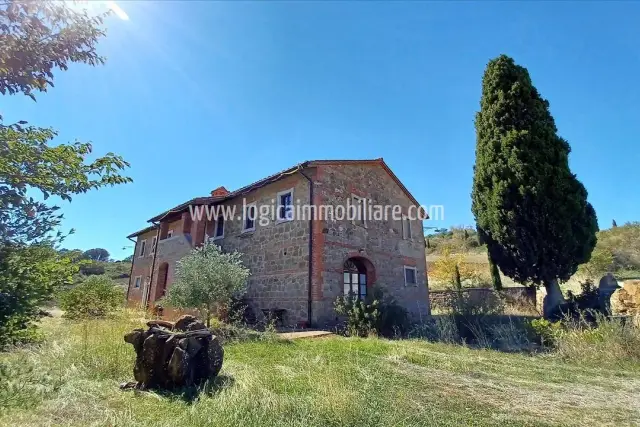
(617,251)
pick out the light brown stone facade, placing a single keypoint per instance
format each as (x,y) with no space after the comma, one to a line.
(278,253)
(379,242)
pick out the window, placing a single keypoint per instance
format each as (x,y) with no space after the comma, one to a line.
(285,205)
(406,227)
(410,276)
(154,241)
(249,219)
(136,283)
(218,231)
(354,279)
(358,214)
(143,246)
(169,234)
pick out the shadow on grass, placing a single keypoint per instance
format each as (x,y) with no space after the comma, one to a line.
(501,332)
(192,394)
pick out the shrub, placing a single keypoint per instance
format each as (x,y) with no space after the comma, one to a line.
(443,269)
(393,319)
(544,331)
(380,314)
(91,269)
(361,317)
(238,311)
(28,277)
(608,341)
(97,296)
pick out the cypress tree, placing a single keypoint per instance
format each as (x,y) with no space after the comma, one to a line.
(531,210)
(457,282)
(495,275)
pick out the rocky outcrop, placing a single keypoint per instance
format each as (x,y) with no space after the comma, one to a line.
(626,301)
(174,355)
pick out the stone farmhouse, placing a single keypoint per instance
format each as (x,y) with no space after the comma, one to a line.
(299,265)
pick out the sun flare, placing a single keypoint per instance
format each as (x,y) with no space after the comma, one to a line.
(98,6)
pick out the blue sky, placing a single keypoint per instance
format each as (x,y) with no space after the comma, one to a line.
(200,94)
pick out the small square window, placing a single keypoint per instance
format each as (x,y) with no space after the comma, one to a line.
(285,205)
(410,276)
(136,283)
(249,220)
(169,234)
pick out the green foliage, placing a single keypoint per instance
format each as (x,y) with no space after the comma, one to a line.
(96,254)
(379,315)
(593,339)
(28,277)
(207,279)
(27,162)
(24,385)
(362,317)
(545,331)
(454,240)
(38,38)
(97,296)
(72,379)
(496,281)
(93,268)
(393,320)
(457,283)
(601,341)
(617,251)
(600,263)
(531,210)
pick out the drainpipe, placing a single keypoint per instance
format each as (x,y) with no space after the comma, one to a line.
(309,301)
(153,263)
(133,260)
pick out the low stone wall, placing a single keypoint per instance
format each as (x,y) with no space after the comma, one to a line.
(519,295)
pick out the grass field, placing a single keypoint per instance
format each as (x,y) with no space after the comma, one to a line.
(72,380)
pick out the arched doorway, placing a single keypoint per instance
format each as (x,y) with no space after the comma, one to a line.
(355,278)
(161,285)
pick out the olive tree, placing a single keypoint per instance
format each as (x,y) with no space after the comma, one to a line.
(207,279)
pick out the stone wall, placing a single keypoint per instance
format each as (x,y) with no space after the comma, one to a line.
(380,242)
(519,295)
(277,253)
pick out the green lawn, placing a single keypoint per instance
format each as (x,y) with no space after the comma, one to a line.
(72,380)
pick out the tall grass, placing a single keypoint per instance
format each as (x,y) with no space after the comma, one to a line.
(72,380)
(607,342)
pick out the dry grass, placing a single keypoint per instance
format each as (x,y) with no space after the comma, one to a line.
(325,382)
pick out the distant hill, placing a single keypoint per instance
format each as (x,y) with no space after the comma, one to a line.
(462,240)
(117,270)
(617,250)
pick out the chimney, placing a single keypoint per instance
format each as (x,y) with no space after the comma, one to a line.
(219,192)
